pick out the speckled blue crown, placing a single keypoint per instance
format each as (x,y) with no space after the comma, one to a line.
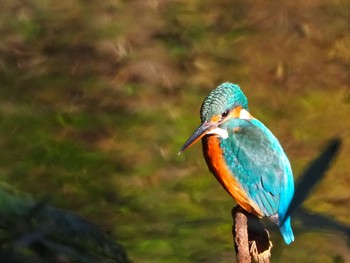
(224,97)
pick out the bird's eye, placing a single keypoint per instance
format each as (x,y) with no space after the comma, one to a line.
(225,114)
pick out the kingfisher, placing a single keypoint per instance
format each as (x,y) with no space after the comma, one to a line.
(245,157)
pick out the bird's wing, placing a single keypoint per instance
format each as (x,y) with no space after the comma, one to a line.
(258,161)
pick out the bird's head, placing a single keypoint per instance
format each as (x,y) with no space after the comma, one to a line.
(225,102)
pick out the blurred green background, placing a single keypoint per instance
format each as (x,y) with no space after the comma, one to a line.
(97,97)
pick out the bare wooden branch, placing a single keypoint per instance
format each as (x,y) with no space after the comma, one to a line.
(250,237)
(240,235)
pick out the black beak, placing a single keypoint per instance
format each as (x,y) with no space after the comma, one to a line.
(202,130)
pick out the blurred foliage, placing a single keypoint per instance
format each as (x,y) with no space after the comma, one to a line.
(97,97)
(36,232)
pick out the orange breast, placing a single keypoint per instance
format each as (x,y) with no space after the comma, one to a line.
(215,160)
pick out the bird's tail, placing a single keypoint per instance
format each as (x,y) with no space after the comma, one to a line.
(286,231)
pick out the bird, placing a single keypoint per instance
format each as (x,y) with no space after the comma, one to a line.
(245,157)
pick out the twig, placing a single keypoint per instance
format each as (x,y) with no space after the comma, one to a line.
(240,235)
(250,237)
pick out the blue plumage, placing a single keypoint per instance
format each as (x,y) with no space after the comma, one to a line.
(255,157)
(245,156)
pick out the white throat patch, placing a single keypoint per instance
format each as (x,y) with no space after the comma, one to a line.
(220,132)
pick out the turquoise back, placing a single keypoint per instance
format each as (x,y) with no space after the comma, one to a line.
(256,159)
(253,155)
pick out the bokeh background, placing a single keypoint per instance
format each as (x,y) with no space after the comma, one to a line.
(97,97)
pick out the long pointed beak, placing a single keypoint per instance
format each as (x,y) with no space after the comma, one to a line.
(202,130)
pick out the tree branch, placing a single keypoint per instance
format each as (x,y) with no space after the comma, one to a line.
(250,237)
